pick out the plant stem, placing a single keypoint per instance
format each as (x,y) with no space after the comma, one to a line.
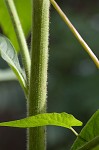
(38,77)
(74,131)
(20,36)
(75,32)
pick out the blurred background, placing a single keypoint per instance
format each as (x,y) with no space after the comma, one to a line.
(72,76)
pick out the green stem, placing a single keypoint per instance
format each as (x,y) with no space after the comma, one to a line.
(75,32)
(74,131)
(38,78)
(20,36)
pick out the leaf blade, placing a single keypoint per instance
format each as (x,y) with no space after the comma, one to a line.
(25,19)
(9,54)
(56,119)
(88,133)
(94,143)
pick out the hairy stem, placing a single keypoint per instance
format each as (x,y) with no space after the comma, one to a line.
(38,77)
(75,32)
(20,36)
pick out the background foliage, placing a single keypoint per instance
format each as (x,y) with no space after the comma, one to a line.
(72,76)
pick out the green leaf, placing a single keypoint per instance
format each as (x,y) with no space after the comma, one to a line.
(92,144)
(8,53)
(56,119)
(89,135)
(24,12)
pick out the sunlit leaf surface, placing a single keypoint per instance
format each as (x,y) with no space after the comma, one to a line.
(56,119)
(24,11)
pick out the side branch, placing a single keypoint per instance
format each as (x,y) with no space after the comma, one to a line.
(75,32)
(20,36)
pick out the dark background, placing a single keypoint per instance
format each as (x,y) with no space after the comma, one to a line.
(72,77)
